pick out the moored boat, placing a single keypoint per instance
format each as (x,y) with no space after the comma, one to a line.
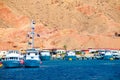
(12,60)
(32,58)
(70,55)
(116,54)
(45,55)
(108,55)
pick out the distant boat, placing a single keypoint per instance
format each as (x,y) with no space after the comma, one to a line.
(13,59)
(108,55)
(32,56)
(45,55)
(70,55)
(116,54)
(100,55)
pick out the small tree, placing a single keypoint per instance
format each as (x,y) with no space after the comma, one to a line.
(65,47)
(78,52)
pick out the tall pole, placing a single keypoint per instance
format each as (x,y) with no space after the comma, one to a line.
(32,33)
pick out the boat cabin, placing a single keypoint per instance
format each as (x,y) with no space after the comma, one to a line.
(71,53)
(45,53)
(32,54)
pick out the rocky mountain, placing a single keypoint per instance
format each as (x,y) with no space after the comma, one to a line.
(78,24)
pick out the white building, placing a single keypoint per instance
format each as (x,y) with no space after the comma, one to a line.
(3,54)
(60,51)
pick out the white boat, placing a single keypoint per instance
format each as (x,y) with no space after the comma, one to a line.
(70,55)
(116,54)
(12,59)
(45,55)
(107,55)
(32,58)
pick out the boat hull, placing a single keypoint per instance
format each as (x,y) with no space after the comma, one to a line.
(70,58)
(11,64)
(45,58)
(32,63)
(107,57)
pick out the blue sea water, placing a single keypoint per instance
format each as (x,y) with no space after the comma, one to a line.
(66,70)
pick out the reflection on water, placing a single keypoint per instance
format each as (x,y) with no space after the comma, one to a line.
(66,70)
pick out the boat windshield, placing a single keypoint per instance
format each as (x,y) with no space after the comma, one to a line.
(12,51)
(12,58)
(114,52)
(107,51)
(32,53)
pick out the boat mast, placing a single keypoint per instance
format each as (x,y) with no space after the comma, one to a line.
(32,33)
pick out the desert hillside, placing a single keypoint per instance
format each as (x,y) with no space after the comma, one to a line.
(78,24)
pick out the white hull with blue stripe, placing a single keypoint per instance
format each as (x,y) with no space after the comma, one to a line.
(32,58)
(12,64)
(70,55)
(12,59)
(45,55)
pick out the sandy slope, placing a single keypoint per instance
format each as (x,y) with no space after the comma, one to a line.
(78,24)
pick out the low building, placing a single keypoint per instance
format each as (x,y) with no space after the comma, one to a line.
(3,54)
(60,51)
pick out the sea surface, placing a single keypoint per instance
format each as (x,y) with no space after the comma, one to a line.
(66,70)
